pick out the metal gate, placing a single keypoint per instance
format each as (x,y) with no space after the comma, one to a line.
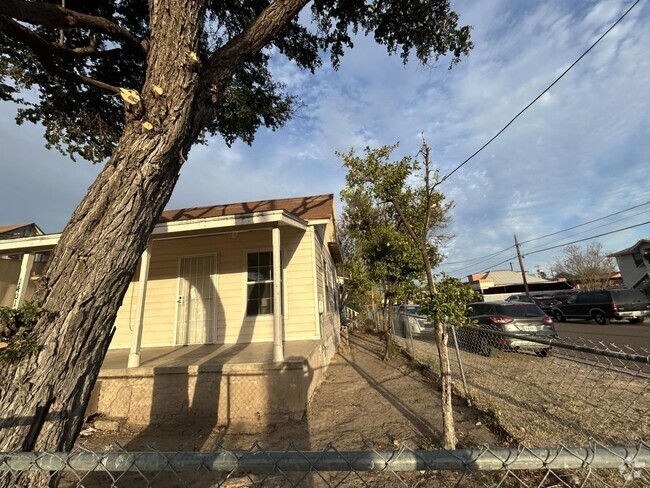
(197,300)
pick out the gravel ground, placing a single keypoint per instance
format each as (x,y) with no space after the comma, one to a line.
(546,401)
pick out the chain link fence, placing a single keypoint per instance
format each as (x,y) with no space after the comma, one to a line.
(593,466)
(548,392)
(542,390)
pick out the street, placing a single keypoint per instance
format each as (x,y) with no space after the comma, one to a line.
(622,334)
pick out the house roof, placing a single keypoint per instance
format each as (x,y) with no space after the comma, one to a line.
(294,212)
(631,249)
(10,228)
(507,277)
(307,208)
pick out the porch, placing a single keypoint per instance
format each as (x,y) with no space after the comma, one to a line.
(215,384)
(212,355)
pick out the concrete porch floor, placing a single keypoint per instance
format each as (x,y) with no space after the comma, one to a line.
(208,354)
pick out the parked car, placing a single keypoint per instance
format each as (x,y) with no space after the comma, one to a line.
(545,302)
(521,318)
(604,305)
(408,317)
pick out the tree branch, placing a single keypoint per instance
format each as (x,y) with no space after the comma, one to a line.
(51,15)
(43,50)
(225,61)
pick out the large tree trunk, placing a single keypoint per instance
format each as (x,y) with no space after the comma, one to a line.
(44,396)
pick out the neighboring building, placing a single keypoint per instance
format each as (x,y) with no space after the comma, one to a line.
(10,265)
(19,230)
(634,264)
(499,284)
(203,326)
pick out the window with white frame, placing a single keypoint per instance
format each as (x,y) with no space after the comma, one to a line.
(259,283)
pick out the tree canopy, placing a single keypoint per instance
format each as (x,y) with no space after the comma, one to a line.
(75,60)
(589,266)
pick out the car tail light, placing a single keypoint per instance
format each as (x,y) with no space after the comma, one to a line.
(614,307)
(498,319)
(503,342)
(547,320)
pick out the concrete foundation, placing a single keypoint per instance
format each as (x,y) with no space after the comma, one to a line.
(219,394)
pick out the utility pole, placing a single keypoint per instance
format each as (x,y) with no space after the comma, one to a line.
(521,267)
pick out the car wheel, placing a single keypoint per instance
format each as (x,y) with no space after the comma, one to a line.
(558,316)
(601,318)
(542,353)
(634,320)
(484,347)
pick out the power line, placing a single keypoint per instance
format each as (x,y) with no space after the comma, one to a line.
(593,229)
(588,238)
(537,251)
(586,223)
(540,95)
(480,259)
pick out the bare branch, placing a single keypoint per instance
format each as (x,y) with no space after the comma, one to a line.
(224,62)
(43,50)
(51,15)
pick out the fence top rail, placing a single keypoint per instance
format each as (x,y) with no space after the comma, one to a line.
(483,459)
(639,358)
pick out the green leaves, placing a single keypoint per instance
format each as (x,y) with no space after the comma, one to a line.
(84,120)
(16,326)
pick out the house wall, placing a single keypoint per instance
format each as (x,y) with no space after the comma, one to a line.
(232,324)
(630,272)
(9,274)
(327,289)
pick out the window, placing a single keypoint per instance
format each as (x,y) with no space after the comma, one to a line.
(325,286)
(638,259)
(259,284)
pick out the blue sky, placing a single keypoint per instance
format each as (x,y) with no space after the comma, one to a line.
(580,153)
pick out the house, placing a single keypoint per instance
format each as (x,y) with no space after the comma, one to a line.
(10,264)
(500,284)
(232,314)
(634,264)
(19,230)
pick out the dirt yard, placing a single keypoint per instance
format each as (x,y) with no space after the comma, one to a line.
(363,402)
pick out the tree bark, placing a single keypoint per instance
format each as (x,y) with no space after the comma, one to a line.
(44,396)
(446,383)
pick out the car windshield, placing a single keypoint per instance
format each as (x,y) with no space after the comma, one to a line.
(413,309)
(519,310)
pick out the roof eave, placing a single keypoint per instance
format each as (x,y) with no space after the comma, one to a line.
(168,229)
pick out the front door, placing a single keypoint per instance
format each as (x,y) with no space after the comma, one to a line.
(197,301)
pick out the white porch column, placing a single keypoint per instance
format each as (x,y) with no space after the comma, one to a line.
(278,349)
(23,280)
(136,336)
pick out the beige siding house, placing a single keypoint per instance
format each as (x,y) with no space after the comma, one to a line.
(231,316)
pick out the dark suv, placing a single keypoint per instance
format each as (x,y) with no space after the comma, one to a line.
(603,306)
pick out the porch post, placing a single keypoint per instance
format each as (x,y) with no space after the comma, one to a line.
(23,280)
(136,336)
(278,350)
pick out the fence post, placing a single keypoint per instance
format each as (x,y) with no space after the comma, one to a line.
(408,325)
(460,365)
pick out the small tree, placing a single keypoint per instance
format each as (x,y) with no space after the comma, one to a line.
(589,266)
(379,251)
(410,189)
